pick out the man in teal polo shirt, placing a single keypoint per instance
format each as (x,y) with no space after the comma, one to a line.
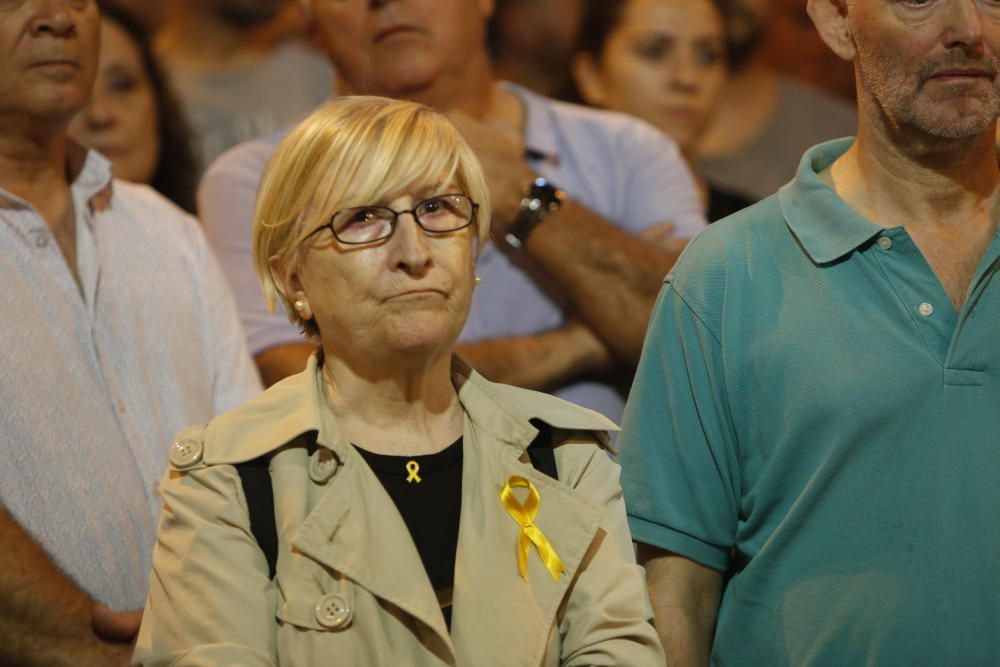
(811,450)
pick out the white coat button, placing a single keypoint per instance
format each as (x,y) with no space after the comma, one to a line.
(185,453)
(926,309)
(332,612)
(41,240)
(884,242)
(322,465)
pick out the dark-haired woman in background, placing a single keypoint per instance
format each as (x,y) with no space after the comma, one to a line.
(133,118)
(664,61)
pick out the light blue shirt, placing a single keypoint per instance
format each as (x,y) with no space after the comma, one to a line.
(622,169)
(98,376)
(809,400)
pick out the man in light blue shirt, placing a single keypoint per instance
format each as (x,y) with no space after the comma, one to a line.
(565,311)
(117,331)
(811,450)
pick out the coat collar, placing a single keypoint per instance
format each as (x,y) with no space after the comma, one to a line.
(297,405)
(355,510)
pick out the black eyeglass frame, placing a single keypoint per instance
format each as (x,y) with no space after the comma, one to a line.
(395,220)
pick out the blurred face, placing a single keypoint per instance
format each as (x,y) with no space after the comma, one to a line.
(121,120)
(930,65)
(398,48)
(48,56)
(408,293)
(665,63)
(149,12)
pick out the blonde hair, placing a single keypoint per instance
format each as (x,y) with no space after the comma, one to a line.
(352,152)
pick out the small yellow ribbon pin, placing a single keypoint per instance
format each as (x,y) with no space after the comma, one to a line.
(530,533)
(413,468)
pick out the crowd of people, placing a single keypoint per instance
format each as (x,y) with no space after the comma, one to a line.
(320,318)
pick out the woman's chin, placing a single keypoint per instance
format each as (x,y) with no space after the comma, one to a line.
(421,334)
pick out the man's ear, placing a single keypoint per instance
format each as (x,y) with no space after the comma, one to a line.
(589,80)
(830,19)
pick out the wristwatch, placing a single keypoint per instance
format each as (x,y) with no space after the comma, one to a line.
(541,199)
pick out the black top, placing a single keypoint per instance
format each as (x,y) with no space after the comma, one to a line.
(723,203)
(427,491)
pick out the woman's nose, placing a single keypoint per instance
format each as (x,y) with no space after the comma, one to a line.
(98,112)
(411,249)
(683,74)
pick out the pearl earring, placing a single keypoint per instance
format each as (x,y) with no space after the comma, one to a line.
(478,280)
(299,305)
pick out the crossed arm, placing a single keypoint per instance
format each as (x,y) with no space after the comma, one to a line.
(45,619)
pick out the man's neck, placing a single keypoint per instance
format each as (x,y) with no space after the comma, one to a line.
(468,89)
(33,160)
(903,177)
(35,166)
(196,37)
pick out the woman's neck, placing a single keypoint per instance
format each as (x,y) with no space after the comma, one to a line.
(401,406)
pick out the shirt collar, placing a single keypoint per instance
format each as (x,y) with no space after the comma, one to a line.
(540,131)
(92,180)
(823,223)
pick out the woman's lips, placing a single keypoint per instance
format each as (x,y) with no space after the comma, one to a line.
(395,31)
(416,294)
(684,114)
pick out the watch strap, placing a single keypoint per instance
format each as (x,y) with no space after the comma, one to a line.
(541,199)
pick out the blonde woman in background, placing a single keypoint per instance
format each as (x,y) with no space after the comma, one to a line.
(422,515)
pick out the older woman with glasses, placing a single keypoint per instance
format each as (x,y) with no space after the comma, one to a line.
(389,506)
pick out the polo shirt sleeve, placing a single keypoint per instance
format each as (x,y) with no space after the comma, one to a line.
(678,448)
(235,380)
(226,201)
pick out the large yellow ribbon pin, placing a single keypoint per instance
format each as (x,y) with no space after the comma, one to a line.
(530,533)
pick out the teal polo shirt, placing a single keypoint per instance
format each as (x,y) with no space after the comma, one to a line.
(811,413)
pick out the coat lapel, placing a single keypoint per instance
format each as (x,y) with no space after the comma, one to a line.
(487,578)
(356,530)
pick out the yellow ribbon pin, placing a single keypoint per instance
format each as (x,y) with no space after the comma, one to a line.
(530,533)
(413,468)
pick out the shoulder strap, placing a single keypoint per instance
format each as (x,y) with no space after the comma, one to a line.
(540,451)
(256,480)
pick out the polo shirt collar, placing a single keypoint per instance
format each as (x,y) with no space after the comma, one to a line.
(824,224)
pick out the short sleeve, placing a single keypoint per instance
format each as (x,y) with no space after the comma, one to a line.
(226,201)
(234,376)
(659,185)
(678,448)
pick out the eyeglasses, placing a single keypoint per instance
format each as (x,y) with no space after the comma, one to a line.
(361,225)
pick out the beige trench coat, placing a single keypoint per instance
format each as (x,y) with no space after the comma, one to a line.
(350,588)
